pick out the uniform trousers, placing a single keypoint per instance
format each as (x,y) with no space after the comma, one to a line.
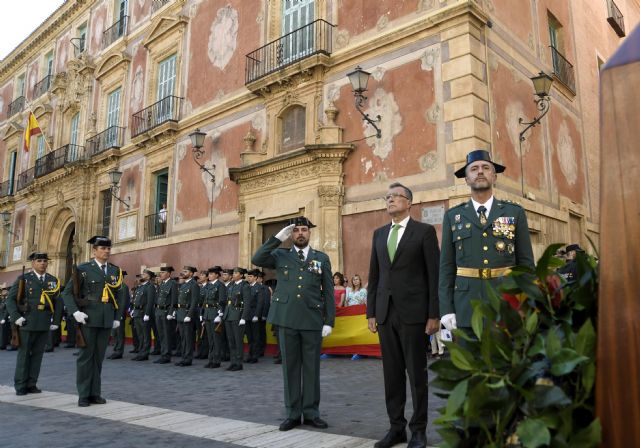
(89,363)
(29,358)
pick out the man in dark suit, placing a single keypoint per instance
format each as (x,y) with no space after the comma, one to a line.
(402,304)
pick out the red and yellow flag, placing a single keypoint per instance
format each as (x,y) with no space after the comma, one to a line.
(33,128)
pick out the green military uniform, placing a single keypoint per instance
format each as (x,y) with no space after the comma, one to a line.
(214,301)
(253,328)
(43,309)
(5,324)
(471,251)
(143,303)
(102,298)
(167,299)
(186,306)
(238,304)
(118,333)
(300,306)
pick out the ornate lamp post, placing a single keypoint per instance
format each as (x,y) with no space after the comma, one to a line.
(359,79)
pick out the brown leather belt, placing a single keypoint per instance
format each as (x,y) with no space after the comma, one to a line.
(483,273)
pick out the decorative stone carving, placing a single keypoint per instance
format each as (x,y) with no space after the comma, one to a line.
(429,59)
(331,112)
(341,39)
(330,195)
(223,37)
(249,141)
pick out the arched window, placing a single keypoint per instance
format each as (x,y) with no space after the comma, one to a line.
(293,128)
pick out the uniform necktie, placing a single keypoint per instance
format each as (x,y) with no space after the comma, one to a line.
(104,269)
(301,254)
(392,243)
(481,214)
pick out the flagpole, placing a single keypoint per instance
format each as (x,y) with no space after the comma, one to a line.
(46,142)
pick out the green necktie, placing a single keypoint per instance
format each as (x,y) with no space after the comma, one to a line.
(392,243)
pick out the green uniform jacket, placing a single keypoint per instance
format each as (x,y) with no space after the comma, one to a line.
(258,298)
(214,299)
(92,282)
(144,300)
(188,296)
(167,295)
(38,317)
(303,299)
(503,241)
(238,302)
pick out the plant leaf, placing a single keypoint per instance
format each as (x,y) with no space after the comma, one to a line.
(533,433)
(545,262)
(532,322)
(461,358)
(590,436)
(565,361)
(586,339)
(477,319)
(457,397)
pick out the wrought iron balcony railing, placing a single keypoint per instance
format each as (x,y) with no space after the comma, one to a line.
(42,86)
(115,31)
(25,179)
(563,69)
(7,188)
(55,160)
(155,226)
(157,4)
(79,45)
(112,137)
(314,38)
(615,18)
(167,109)
(16,106)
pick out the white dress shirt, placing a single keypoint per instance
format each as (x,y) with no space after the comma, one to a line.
(487,205)
(403,225)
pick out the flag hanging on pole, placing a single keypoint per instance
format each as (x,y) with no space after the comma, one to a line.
(33,128)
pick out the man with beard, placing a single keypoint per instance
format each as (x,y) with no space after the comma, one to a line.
(186,307)
(304,310)
(481,240)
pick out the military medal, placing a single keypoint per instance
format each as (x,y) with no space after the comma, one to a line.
(510,248)
(453,227)
(467,226)
(457,218)
(500,246)
(459,226)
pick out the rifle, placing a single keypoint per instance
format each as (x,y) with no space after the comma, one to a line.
(80,341)
(23,307)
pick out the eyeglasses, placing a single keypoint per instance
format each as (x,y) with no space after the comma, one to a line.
(394,196)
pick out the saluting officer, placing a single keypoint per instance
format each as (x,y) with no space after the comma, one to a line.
(99,309)
(235,316)
(482,239)
(304,310)
(166,300)
(188,296)
(42,312)
(215,298)
(143,304)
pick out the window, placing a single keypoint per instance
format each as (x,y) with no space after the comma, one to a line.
(32,231)
(82,37)
(12,171)
(72,154)
(166,86)
(156,223)
(113,118)
(555,40)
(162,183)
(106,212)
(121,8)
(48,63)
(293,128)
(40,147)
(295,15)
(20,86)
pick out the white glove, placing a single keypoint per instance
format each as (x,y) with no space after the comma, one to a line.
(170,317)
(254,319)
(80,317)
(217,319)
(145,318)
(2,322)
(187,319)
(449,321)
(20,321)
(116,324)
(242,322)
(53,327)
(201,318)
(285,233)
(326,330)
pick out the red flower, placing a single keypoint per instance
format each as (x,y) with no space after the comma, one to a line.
(554,288)
(513,299)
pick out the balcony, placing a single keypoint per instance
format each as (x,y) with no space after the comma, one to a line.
(155,226)
(314,38)
(165,110)
(79,45)
(157,4)
(562,69)
(16,106)
(110,138)
(25,179)
(42,86)
(7,188)
(55,160)
(615,18)
(115,32)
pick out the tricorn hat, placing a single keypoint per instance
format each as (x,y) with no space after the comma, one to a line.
(254,272)
(301,221)
(242,271)
(474,156)
(190,268)
(149,273)
(166,269)
(38,256)
(228,271)
(215,269)
(99,240)
(575,247)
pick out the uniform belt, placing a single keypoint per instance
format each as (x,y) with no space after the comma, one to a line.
(138,308)
(183,306)
(206,305)
(483,273)
(158,307)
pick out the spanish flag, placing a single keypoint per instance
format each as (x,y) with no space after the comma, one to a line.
(33,128)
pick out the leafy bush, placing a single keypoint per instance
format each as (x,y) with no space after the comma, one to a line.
(528,378)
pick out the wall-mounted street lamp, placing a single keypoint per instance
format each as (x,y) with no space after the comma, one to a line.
(359,80)
(197,142)
(114,177)
(6,221)
(542,86)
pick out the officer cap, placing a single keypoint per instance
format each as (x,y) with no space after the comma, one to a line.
(149,273)
(242,271)
(216,269)
(260,274)
(190,268)
(98,240)
(474,156)
(301,221)
(167,269)
(138,275)
(228,271)
(575,247)
(38,256)
(254,272)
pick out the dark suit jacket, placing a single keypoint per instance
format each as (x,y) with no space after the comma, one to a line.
(412,278)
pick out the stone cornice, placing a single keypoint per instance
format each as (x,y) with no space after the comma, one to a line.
(163,27)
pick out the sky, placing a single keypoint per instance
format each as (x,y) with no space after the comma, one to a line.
(19,18)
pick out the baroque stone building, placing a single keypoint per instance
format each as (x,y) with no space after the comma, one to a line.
(118,86)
